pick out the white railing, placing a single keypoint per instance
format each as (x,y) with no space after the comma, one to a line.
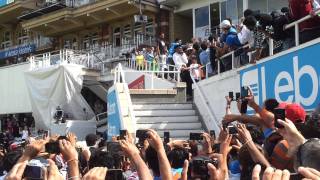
(155,69)
(205,101)
(119,77)
(296,26)
(64,56)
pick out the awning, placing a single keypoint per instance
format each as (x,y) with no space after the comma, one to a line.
(45,10)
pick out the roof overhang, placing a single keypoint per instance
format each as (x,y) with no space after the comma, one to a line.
(10,12)
(73,19)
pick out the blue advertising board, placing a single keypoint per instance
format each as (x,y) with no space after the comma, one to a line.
(293,77)
(18,51)
(114,118)
(3,3)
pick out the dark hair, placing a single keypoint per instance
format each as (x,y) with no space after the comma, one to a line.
(177,157)
(152,160)
(204,46)
(250,21)
(10,159)
(91,139)
(101,159)
(246,162)
(196,46)
(247,12)
(309,153)
(271,104)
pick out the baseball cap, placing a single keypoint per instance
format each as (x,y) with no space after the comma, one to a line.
(225,24)
(294,112)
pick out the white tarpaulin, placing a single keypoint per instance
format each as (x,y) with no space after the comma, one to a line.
(57,86)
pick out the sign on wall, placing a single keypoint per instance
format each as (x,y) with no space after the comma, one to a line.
(18,51)
(114,121)
(293,77)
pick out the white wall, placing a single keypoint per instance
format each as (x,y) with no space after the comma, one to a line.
(14,95)
(215,89)
(157,82)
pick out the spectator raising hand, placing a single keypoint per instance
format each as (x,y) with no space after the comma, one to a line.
(270,174)
(97,173)
(292,135)
(309,173)
(17,171)
(53,171)
(32,150)
(218,173)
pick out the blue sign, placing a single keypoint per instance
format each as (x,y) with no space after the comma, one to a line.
(114,121)
(18,51)
(3,3)
(293,77)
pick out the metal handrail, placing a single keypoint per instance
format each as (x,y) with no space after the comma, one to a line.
(295,24)
(206,103)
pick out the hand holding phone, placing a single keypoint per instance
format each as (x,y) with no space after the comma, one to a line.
(195,136)
(279,114)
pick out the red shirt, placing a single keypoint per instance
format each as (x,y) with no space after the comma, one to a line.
(300,9)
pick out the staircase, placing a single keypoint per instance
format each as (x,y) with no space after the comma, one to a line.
(162,114)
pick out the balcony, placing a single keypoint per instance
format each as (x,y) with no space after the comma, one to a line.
(10,12)
(78,14)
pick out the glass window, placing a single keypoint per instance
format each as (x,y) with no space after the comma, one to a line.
(223,7)
(202,28)
(232,11)
(260,5)
(202,16)
(274,5)
(215,17)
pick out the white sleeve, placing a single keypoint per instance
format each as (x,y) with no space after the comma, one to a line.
(244,35)
(174,57)
(185,58)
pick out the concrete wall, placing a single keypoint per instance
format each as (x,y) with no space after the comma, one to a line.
(215,89)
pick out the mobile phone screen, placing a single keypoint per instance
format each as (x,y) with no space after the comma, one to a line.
(244,92)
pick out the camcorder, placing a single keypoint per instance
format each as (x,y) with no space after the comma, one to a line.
(114,174)
(142,135)
(53,147)
(114,148)
(36,169)
(200,166)
(195,136)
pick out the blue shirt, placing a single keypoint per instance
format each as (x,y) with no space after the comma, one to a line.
(204,59)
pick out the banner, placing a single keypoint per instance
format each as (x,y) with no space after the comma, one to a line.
(293,77)
(114,118)
(18,51)
(138,83)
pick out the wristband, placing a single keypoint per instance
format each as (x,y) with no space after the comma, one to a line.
(74,177)
(71,160)
(247,142)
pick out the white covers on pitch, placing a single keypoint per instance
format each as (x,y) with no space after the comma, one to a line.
(57,86)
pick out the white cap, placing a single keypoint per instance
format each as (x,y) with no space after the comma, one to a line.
(225,24)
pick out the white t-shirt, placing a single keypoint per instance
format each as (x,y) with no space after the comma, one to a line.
(195,71)
(180,60)
(25,134)
(245,36)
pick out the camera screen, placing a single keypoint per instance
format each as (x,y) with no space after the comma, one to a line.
(33,172)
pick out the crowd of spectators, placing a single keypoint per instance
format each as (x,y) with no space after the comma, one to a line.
(250,40)
(257,146)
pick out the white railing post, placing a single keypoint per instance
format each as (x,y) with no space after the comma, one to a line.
(271,47)
(296,34)
(232,60)
(152,81)
(218,66)
(207,73)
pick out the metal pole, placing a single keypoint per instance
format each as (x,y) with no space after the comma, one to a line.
(270,46)
(296,31)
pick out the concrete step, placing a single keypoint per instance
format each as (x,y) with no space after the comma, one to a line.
(165,113)
(180,119)
(170,126)
(173,106)
(180,134)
